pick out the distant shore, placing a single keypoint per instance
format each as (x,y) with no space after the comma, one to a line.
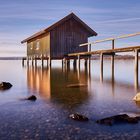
(93,57)
(11,58)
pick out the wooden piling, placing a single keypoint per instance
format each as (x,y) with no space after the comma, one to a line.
(101,67)
(49,61)
(136,69)
(74,62)
(27,60)
(85,62)
(35,61)
(68,64)
(22,61)
(42,59)
(112,66)
(32,60)
(79,61)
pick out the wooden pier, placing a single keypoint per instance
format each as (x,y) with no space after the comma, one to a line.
(111,52)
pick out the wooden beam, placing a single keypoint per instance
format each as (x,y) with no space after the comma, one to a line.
(115,50)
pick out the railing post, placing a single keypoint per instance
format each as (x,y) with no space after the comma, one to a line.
(89,47)
(113,43)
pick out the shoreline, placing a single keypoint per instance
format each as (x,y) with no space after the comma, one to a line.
(117,57)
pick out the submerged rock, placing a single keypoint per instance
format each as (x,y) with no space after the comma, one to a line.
(78,117)
(137,97)
(5,85)
(76,85)
(32,98)
(123,118)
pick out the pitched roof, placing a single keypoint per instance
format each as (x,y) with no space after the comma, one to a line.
(72,15)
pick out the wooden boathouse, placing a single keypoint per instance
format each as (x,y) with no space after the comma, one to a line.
(59,40)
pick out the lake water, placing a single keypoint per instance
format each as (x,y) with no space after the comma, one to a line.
(48,117)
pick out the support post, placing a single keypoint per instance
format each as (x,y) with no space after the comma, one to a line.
(89,62)
(42,59)
(101,66)
(79,61)
(112,66)
(62,63)
(49,61)
(136,69)
(35,61)
(32,60)
(23,62)
(27,60)
(74,62)
(68,64)
(86,63)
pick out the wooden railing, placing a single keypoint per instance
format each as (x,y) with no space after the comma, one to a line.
(89,44)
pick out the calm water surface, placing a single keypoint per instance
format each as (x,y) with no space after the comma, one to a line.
(47,118)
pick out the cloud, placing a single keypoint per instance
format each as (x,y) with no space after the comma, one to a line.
(122,20)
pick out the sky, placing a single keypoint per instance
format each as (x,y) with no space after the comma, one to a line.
(21,18)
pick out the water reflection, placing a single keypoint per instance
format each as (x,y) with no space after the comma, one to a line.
(51,83)
(38,80)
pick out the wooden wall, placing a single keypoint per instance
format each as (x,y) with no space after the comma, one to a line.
(39,46)
(66,39)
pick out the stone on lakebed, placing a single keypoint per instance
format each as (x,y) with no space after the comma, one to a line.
(78,117)
(31,98)
(123,118)
(5,85)
(137,97)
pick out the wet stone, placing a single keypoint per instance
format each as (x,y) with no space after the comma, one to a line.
(123,118)
(32,98)
(78,117)
(5,85)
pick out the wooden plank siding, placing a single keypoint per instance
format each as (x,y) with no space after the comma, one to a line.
(39,47)
(66,38)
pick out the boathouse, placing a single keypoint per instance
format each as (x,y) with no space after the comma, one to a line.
(60,39)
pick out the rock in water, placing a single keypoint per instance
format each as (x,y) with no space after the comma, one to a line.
(78,117)
(5,85)
(32,98)
(123,118)
(137,97)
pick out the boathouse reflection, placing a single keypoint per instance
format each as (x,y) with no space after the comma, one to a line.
(51,83)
